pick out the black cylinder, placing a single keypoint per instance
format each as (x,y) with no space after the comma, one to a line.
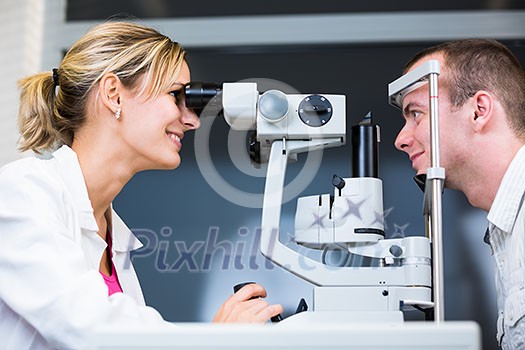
(204,98)
(365,148)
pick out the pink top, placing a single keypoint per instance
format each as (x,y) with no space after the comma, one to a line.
(112,281)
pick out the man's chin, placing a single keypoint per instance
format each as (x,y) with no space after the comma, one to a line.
(420,171)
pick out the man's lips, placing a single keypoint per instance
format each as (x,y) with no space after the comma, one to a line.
(416,155)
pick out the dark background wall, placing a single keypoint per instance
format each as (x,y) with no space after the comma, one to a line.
(101,9)
(199,243)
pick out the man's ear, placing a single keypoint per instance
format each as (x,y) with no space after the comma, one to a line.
(110,92)
(483,109)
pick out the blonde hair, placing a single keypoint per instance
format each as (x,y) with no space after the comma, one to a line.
(49,116)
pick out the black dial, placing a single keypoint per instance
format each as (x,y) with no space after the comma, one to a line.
(315,110)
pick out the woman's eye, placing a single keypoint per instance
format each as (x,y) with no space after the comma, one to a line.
(176,94)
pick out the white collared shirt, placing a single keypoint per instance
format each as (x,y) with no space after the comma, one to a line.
(51,291)
(507,239)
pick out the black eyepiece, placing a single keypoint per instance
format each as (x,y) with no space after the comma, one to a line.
(204,98)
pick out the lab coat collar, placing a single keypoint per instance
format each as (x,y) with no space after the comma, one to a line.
(123,239)
(69,167)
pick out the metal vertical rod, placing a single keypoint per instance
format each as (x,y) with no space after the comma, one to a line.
(436,204)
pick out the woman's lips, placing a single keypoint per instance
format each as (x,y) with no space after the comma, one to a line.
(175,139)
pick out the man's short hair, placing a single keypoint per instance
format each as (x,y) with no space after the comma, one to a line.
(472,65)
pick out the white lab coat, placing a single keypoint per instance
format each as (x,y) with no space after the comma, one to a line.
(51,292)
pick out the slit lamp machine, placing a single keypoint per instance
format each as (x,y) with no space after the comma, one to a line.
(409,271)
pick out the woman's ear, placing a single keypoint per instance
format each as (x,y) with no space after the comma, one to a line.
(483,109)
(110,92)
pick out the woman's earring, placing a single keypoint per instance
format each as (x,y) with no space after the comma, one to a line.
(117,113)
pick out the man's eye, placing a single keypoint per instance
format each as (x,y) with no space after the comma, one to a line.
(415,114)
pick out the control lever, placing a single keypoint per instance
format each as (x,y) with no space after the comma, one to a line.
(237,287)
(300,308)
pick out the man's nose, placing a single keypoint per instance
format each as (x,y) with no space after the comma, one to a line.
(405,138)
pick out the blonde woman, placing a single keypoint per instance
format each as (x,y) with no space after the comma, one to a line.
(112,108)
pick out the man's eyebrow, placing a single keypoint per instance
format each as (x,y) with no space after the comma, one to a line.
(409,107)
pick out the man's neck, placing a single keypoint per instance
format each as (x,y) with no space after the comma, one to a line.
(483,180)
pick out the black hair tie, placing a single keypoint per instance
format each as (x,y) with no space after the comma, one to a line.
(55,76)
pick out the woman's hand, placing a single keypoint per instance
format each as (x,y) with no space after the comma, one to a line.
(241,308)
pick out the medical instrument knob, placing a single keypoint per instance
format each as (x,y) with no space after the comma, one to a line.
(396,250)
(315,110)
(338,182)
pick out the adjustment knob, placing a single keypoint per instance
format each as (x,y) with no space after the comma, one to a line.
(396,250)
(338,182)
(315,110)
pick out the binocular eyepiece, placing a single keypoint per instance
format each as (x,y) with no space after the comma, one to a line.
(204,98)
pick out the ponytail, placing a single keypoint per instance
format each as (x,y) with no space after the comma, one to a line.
(37,113)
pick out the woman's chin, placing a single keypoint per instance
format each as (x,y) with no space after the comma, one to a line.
(169,164)
(173,165)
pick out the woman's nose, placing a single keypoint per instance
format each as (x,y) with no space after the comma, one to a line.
(190,119)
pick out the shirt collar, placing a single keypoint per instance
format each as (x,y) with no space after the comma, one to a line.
(504,210)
